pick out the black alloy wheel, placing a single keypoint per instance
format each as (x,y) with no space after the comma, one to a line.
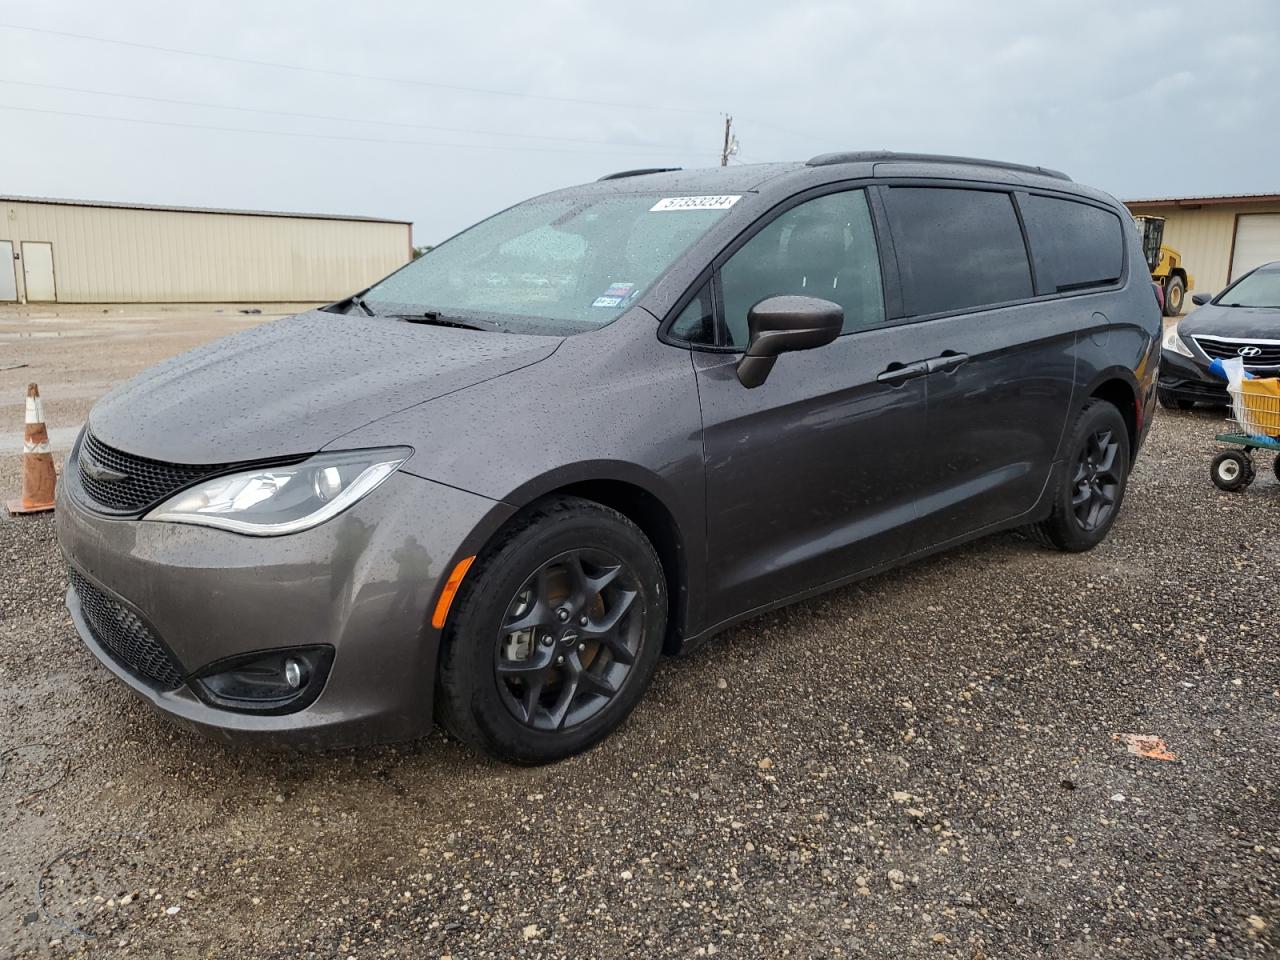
(555,633)
(1097,480)
(1090,489)
(569,639)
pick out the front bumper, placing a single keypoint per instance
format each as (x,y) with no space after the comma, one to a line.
(364,583)
(1186,378)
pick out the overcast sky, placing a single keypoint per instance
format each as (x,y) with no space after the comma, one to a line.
(1141,100)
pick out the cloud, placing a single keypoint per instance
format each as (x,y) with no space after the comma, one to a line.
(1136,103)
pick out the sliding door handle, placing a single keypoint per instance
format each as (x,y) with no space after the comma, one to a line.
(947,362)
(897,373)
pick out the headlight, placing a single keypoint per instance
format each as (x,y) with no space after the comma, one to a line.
(271,501)
(1175,344)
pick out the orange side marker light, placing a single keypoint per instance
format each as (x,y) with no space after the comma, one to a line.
(450,588)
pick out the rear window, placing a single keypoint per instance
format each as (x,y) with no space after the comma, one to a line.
(957,249)
(1076,246)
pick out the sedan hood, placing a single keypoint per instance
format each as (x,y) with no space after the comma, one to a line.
(1242,323)
(292,386)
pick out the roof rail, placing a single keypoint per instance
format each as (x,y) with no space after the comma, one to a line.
(874,156)
(623,174)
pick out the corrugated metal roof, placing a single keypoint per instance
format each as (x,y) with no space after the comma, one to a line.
(152,206)
(1211,198)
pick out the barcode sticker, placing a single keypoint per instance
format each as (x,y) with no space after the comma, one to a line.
(695,203)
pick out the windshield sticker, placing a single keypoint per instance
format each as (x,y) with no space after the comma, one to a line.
(614,296)
(694,203)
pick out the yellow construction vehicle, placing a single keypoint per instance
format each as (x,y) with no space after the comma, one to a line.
(1165,264)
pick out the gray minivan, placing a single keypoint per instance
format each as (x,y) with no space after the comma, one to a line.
(601,425)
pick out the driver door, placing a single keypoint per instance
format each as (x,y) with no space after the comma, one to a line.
(811,477)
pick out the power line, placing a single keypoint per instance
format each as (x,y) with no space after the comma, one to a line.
(322,116)
(323,136)
(457,88)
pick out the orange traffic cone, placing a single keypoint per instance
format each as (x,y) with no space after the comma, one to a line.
(38,476)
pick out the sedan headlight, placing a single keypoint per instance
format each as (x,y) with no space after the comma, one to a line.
(271,501)
(1175,344)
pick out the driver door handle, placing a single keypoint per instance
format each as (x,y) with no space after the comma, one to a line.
(897,373)
(946,362)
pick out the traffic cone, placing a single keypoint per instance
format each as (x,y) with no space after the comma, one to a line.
(38,476)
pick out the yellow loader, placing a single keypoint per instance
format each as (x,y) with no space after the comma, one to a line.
(1165,264)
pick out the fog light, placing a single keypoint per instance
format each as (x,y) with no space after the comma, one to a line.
(279,681)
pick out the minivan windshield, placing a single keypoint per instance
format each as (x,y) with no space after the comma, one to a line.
(1258,289)
(561,264)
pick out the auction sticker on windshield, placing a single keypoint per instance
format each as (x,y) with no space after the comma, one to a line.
(695,203)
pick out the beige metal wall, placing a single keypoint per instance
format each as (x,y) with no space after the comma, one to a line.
(123,255)
(1203,236)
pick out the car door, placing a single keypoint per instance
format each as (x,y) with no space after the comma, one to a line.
(810,477)
(1001,365)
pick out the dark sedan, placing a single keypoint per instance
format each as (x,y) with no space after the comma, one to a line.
(1242,321)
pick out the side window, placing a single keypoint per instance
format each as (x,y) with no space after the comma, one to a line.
(696,323)
(824,248)
(1075,246)
(957,249)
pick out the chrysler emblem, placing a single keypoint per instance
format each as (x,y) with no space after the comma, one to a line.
(1249,351)
(98,472)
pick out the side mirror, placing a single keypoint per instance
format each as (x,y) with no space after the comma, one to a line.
(1200,299)
(779,325)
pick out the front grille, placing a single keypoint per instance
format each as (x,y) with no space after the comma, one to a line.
(123,635)
(144,483)
(1267,351)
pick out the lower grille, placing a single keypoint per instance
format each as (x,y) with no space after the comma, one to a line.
(123,635)
(1257,353)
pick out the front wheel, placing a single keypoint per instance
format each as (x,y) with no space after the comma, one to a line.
(1092,488)
(555,634)
(1174,291)
(1231,470)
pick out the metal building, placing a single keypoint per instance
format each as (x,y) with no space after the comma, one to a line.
(78,251)
(1221,237)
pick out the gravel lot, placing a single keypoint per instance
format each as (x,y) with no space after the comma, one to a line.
(920,765)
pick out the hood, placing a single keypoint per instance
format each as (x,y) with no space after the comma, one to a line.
(1241,323)
(292,386)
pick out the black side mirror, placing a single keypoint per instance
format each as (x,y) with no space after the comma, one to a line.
(1200,299)
(781,324)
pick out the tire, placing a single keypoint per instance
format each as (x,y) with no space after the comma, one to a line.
(528,695)
(1098,471)
(1231,470)
(1171,401)
(1275,466)
(1174,293)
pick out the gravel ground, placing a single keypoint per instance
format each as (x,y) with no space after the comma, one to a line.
(921,765)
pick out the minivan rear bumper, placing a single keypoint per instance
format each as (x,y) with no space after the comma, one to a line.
(362,583)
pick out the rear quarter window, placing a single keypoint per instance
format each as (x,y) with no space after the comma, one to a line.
(957,249)
(1075,245)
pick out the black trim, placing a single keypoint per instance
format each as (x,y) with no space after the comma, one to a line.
(324,656)
(890,274)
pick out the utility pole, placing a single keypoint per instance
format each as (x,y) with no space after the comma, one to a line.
(728,137)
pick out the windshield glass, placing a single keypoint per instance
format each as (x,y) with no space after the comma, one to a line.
(576,261)
(1259,289)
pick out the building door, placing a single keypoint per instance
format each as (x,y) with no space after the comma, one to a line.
(8,279)
(1257,242)
(37,272)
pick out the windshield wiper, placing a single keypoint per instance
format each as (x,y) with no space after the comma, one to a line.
(434,318)
(358,301)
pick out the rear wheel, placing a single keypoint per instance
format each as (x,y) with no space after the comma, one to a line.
(555,635)
(1231,470)
(1174,291)
(1171,401)
(1092,488)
